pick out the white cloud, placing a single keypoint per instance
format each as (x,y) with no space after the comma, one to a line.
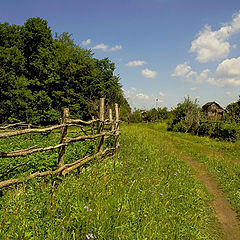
(116,48)
(212,45)
(101,46)
(135,63)
(162,94)
(227,73)
(138,99)
(181,70)
(149,73)
(142,96)
(86,42)
(228,93)
(193,89)
(105,47)
(184,71)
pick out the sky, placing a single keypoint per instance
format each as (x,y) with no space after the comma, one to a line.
(163,50)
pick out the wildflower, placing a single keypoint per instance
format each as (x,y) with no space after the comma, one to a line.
(141,168)
(146,159)
(161,194)
(60,226)
(141,190)
(175,174)
(87,208)
(90,235)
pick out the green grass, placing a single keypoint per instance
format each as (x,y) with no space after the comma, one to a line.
(221,159)
(45,160)
(145,192)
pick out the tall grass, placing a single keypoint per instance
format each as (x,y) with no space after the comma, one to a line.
(144,192)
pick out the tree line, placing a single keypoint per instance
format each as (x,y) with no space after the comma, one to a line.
(188,117)
(41,74)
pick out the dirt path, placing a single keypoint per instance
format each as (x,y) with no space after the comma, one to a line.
(225,214)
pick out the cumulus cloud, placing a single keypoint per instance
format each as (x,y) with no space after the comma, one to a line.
(181,70)
(101,46)
(149,73)
(138,99)
(228,93)
(193,89)
(115,48)
(184,71)
(227,73)
(86,42)
(105,47)
(135,63)
(142,96)
(212,45)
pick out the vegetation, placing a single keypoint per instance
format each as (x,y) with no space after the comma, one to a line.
(40,75)
(219,158)
(145,192)
(152,115)
(188,117)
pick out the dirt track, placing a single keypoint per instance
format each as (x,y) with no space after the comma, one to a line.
(225,214)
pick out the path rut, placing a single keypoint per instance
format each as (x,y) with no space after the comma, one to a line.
(224,212)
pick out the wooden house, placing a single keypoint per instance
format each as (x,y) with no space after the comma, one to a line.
(213,111)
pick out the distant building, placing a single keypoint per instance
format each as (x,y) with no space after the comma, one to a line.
(213,111)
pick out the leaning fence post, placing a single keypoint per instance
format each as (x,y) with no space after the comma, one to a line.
(117,126)
(111,118)
(101,125)
(61,153)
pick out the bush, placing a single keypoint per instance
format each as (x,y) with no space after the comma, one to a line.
(226,131)
(180,127)
(186,116)
(203,129)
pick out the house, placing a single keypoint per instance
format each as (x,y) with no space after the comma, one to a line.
(213,111)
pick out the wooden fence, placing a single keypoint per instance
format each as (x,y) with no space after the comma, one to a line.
(63,168)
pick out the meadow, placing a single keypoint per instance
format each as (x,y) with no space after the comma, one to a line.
(145,191)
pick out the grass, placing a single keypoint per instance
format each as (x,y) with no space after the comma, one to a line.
(221,159)
(144,192)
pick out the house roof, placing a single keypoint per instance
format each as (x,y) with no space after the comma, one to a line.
(206,105)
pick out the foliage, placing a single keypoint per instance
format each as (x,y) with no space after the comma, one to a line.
(152,115)
(40,75)
(233,112)
(186,116)
(136,116)
(225,131)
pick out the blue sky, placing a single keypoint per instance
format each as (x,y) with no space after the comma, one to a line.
(163,49)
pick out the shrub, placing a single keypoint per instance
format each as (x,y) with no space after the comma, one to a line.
(186,116)
(203,129)
(225,131)
(180,127)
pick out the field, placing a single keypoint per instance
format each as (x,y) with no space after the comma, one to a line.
(160,185)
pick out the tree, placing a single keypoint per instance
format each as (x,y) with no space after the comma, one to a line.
(186,116)
(40,75)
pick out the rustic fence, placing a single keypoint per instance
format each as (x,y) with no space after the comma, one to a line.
(64,168)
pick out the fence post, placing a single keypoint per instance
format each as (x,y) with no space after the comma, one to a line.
(61,153)
(101,125)
(117,126)
(111,118)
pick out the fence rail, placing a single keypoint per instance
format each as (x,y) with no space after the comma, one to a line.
(64,168)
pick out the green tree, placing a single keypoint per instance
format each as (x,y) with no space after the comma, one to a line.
(186,116)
